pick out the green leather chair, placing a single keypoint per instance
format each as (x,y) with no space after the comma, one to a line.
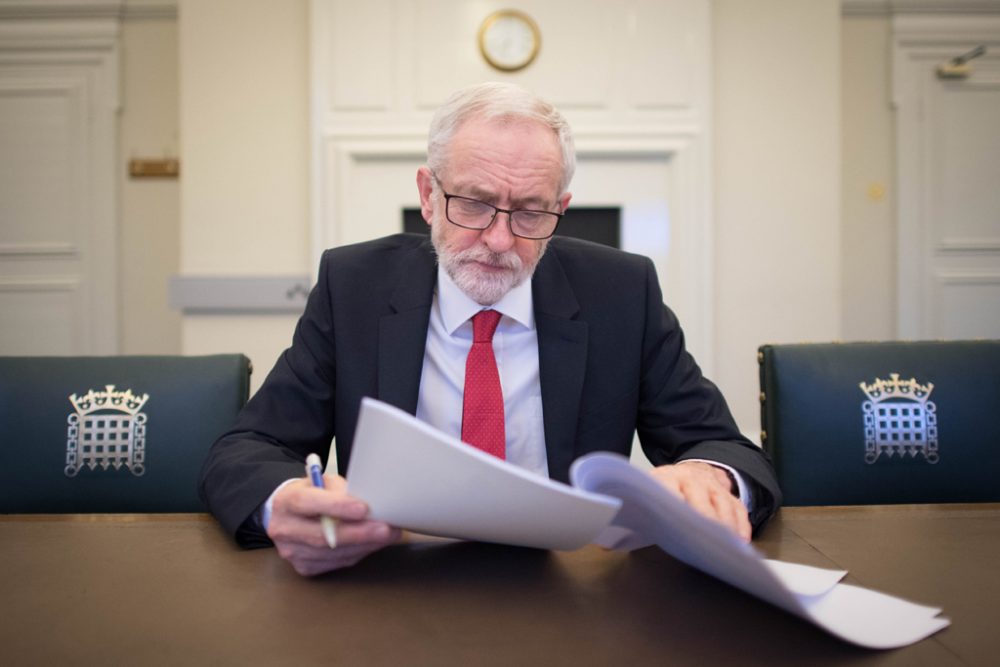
(882,423)
(112,434)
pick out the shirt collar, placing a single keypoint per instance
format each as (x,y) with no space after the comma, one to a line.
(457,307)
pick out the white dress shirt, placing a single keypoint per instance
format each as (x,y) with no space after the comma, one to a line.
(515,346)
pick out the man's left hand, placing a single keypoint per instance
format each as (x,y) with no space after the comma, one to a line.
(708,490)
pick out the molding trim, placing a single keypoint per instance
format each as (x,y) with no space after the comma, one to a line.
(38,250)
(39,284)
(337,158)
(949,283)
(150,9)
(43,41)
(894,7)
(239,294)
(967,277)
(959,245)
(88,9)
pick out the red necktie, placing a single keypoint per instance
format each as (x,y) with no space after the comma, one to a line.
(482,405)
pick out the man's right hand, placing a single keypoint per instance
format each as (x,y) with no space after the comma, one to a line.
(296,531)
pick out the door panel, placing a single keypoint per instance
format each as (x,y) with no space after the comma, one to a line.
(963,253)
(948,161)
(58,212)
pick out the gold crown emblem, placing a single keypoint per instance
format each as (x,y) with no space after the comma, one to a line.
(109,399)
(884,390)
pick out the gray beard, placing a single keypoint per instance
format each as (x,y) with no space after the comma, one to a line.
(484,289)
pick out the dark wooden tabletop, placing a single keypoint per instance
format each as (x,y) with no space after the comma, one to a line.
(172,589)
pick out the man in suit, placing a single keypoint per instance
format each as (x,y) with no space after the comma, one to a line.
(583,355)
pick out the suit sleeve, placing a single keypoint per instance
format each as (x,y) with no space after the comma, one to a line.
(683,415)
(290,416)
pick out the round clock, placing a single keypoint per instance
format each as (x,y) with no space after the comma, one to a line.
(509,40)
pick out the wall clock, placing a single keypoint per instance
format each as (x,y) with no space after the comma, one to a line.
(509,40)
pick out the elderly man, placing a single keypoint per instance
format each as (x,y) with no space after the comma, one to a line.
(535,349)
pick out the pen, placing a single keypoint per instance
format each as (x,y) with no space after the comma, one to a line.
(314,471)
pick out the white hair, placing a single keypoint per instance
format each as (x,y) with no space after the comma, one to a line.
(498,101)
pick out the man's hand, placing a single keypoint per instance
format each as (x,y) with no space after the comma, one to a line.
(708,490)
(296,531)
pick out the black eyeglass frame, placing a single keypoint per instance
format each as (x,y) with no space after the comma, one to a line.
(496,209)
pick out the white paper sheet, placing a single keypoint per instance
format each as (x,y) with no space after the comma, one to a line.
(857,615)
(804,579)
(415,477)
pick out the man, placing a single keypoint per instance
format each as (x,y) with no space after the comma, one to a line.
(585,352)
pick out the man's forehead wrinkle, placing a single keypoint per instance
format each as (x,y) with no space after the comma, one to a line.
(540,189)
(487,172)
(517,155)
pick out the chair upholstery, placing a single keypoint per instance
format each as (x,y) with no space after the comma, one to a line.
(881,423)
(112,434)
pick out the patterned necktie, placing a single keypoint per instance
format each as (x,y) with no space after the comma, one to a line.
(482,404)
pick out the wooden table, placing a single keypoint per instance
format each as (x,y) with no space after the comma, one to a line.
(172,589)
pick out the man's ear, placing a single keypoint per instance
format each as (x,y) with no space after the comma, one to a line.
(564,201)
(425,186)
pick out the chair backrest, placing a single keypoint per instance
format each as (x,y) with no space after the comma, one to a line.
(112,434)
(881,423)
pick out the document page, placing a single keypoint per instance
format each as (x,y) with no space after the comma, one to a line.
(651,514)
(415,477)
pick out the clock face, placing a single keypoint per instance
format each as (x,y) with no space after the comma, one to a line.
(509,40)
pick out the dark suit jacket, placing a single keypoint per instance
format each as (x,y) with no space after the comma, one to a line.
(611,355)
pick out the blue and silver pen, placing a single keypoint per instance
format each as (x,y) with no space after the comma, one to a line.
(314,471)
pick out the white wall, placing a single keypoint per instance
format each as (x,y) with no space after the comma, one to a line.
(633,78)
(150,212)
(777,192)
(777,112)
(868,171)
(244,189)
(783,271)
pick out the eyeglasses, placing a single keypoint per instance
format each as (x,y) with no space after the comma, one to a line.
(474,214)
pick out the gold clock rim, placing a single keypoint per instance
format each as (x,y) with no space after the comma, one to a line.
(516,14)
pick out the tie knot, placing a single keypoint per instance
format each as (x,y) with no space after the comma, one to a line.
(484,323)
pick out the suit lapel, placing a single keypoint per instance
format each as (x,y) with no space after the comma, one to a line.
(562,360)
(403,333)
(562,347)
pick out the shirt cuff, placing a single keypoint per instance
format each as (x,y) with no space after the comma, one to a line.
(264,511)
(742,489)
